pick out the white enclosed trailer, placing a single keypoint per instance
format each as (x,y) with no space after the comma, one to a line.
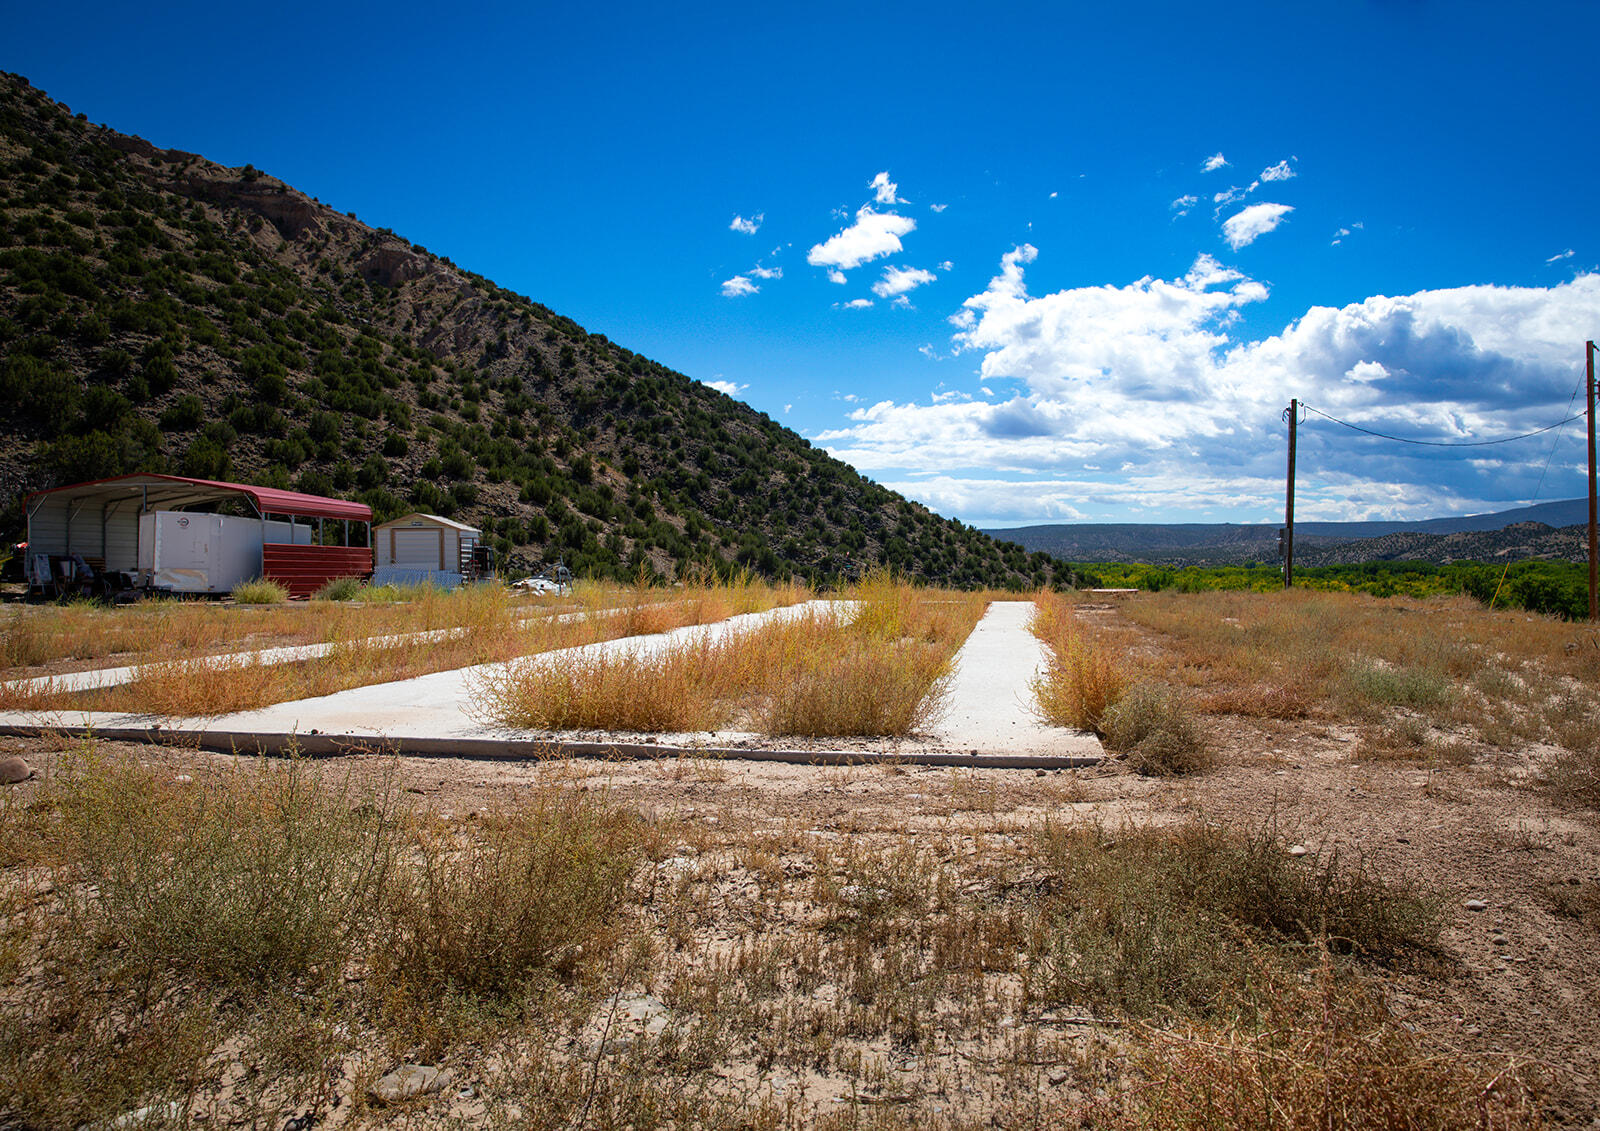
(184,552)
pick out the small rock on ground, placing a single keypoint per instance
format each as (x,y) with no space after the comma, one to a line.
(14,768)
(409,1080)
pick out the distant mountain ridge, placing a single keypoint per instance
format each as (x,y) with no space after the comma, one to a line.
(1544,530)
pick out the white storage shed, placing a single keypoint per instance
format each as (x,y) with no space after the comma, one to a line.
(425,548)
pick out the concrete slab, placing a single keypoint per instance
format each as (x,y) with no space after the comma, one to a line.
(95,678)
(990,709)
(432,715)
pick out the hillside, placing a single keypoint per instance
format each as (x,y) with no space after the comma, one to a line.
(159,312)
(1548,530)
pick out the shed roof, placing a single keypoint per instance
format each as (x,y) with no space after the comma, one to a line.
(181,491)
(419,519)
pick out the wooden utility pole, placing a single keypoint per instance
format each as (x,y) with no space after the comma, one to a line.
(1594,550)
(1288,506)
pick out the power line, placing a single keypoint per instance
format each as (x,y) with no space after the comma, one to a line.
(1441,443)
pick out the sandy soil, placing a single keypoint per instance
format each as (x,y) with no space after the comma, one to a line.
(1516,978)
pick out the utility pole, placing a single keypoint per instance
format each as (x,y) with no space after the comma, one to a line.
(1594,544)
(1288,506)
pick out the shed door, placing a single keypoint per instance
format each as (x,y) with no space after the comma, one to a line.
(419,549)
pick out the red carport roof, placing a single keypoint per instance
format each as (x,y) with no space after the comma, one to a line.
(178,490)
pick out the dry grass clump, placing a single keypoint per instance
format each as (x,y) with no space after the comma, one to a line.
(626,689)
(880,669)
(1155,727)
(167,628)
(339,589)
(1083,680)
(527,893)
(1157,922)
(226,944)
(1574,775)
(474,625)
(1433,681)
(259,592)
(1332,1055)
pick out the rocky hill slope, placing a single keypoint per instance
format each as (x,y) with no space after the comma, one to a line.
(162,312)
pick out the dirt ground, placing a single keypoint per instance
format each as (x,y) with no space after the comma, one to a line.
(1517,977)
(1514,976)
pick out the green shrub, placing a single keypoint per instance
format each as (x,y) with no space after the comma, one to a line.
(1155,726)
(260,592)
(339,589)
(536,891)
(1178,921)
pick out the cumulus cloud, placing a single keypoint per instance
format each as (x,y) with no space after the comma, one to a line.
(1184,204)
(767,272)
(748,226)
(729,387)
(900,280)
(883,189)
(855,304)
(738,285)
(1148,382)
(1213,163)
(872,236)
(1279,172)
(1244,226)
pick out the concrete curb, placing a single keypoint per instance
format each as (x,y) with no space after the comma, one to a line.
(538,750)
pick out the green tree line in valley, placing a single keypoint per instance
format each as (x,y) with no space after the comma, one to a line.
(1553,587)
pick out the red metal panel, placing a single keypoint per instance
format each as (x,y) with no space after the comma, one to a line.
(302,570)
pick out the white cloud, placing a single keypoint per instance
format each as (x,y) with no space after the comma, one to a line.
(1243,227)
(900,280)
(902,302)
(748,226)
(937,207)
(767,272)
(1568,254)
(855,304)
(738,285)
(883,189)
(837,276)
(1228,196)
(1145,381)
(872,236)
(1184,203)
(1278,172)
(1054,195)
(788,408)
(729,387)
(946,265)
(1213,163)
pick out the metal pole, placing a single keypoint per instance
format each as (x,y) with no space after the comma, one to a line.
(1288,506)
(1594,552)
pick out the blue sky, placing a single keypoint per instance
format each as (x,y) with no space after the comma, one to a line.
(1088,252)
